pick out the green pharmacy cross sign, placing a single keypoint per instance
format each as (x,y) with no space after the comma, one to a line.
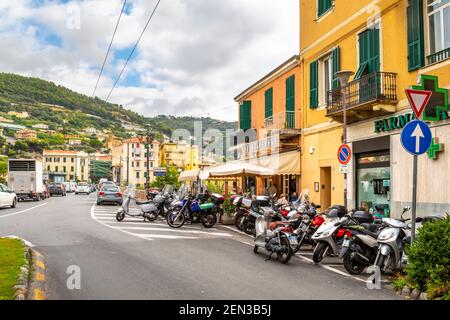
(435,149)
(439,99)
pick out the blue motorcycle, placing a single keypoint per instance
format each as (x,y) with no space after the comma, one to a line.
(190,210)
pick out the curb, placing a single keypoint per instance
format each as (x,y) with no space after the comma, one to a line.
(38,280)
(23,280)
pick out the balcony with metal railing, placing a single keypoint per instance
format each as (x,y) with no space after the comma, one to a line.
(438,56)
(287,122)
(371,95)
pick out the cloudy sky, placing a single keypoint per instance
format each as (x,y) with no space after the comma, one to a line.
(193,59)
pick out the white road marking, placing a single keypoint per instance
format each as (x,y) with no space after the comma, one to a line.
(93,217)
(107,217)
(175,230)
(23,211)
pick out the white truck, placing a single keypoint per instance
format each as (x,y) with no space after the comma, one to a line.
(25,178)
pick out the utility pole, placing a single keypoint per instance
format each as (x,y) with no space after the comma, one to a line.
(149,141)
(343,77)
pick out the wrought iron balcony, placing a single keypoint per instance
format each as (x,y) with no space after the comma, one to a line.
(369,96)
(439,56)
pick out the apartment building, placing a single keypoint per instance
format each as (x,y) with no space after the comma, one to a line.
(73,165)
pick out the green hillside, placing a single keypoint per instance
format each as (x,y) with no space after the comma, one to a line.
(67,112)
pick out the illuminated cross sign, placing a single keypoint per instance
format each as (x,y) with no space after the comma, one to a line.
(439,98)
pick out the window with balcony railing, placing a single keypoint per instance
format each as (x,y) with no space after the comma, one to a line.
(373,87)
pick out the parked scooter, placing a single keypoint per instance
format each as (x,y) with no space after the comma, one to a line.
(148,210)
(359,248)
(391,243)
(242,206)
(274,241)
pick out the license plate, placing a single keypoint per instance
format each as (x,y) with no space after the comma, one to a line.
(293,240)
(346,243)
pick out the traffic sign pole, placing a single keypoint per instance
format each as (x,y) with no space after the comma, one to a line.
(414,201)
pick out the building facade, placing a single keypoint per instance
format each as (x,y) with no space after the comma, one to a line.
(26,134)
(389,45)
(74,165)
(270,116)
(179,154)
(129,161)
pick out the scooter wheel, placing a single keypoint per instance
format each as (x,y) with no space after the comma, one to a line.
(151,217)
(120,216)
(319,252)
(255,249)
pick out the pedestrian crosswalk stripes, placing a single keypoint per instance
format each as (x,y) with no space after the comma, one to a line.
(157,230)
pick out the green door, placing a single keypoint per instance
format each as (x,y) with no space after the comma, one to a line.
(369,64)
(290,102)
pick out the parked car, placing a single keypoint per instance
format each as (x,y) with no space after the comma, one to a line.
(109,194)
(7,197)
(57,188)
(83,188)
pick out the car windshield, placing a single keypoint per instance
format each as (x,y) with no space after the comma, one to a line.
(110,189)
(55,185)
(82,185)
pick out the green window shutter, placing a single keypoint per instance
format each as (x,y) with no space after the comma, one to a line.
(245,115)
(314,85)
(415,30)
(336,66)
(290,93)
(369,50)
(269,103)
(323,6)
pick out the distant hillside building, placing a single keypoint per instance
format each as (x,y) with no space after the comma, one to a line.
(40,126)
(5,120)
(26,134)
(129,161)
(73,164)
(74,142)
(90,131)
(20,115)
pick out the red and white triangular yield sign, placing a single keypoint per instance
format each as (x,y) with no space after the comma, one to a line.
(418,99)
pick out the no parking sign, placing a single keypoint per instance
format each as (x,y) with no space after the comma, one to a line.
(344,154)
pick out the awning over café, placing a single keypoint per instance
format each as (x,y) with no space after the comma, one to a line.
(286,163)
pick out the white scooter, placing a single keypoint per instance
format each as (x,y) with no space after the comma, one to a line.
(148,209)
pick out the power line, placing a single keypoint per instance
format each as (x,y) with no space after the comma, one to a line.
(132,52)
(109,48)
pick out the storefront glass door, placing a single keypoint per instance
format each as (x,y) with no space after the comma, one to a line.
(373,178)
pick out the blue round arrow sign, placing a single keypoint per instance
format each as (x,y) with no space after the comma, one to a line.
(416,137)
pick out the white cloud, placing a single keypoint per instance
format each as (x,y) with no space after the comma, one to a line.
(194,58)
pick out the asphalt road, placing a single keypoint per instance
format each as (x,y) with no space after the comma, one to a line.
(136,260)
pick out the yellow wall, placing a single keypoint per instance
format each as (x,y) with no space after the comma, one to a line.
(180,155)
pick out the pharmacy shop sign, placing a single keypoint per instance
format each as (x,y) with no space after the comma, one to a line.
(399,122)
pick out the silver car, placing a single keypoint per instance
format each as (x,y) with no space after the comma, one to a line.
(109,194)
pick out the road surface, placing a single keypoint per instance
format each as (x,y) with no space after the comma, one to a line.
(137,260)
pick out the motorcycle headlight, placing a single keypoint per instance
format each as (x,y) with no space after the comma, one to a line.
(386,235)
(326,233)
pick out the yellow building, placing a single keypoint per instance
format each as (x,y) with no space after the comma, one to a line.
(129,161)
(272,107)
(179,154)
(26,134)
(389,45)
(73,165)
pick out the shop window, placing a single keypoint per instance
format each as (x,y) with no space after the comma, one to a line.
(373,178)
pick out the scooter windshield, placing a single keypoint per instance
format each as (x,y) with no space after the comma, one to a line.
(182,193)
(168,188)
(130,191)
(302,204)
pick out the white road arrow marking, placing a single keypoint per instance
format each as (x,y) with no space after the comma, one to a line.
(417,133)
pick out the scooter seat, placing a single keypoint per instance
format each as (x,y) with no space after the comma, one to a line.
(139,203)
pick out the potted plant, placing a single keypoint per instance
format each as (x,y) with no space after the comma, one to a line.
(228,211)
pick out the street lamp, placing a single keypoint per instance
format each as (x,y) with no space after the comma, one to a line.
(343,77)
(149,141)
